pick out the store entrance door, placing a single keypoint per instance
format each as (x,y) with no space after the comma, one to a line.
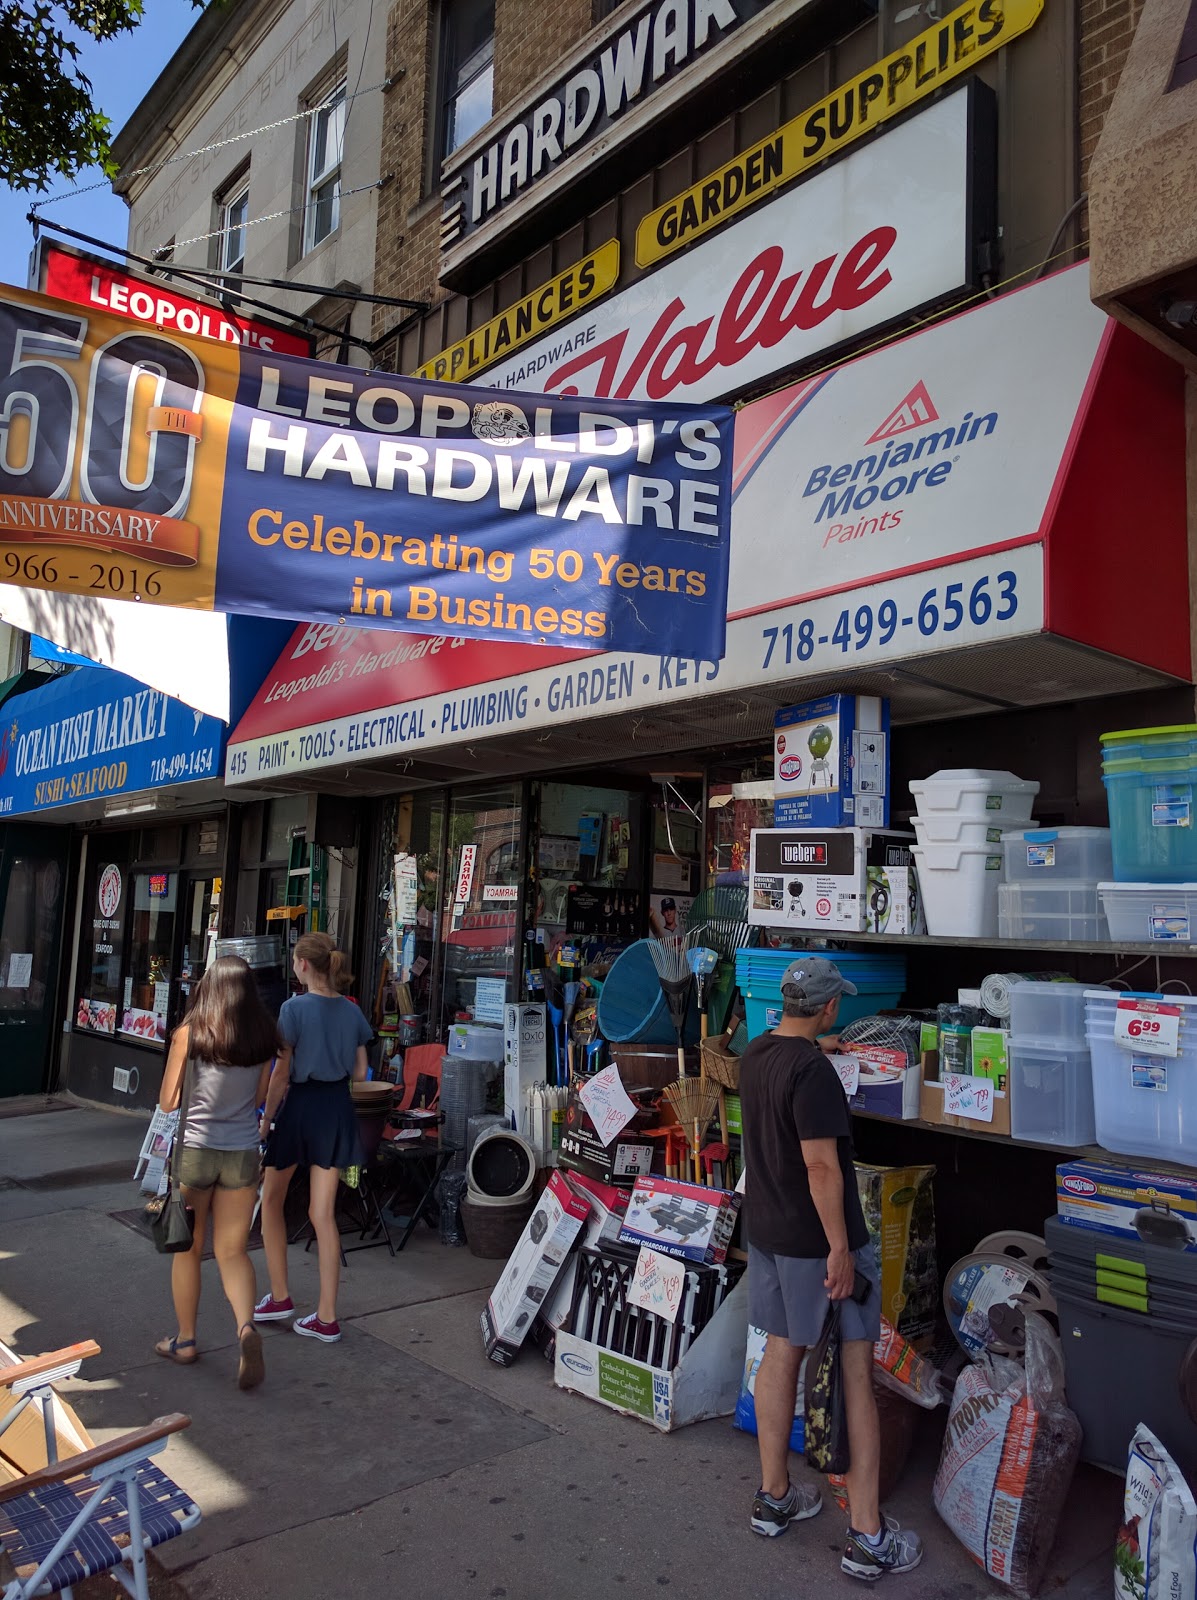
(33,869)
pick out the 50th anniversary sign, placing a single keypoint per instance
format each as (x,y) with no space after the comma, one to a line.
(181,472)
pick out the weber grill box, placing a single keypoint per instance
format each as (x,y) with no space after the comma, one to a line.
(858,880)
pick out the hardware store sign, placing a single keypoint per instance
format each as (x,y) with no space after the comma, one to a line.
(860,244)
(888,510)
(190,473)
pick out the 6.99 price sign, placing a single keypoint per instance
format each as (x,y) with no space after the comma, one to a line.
(1147,1027)
(186,472)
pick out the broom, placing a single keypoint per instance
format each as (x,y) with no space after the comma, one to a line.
(673,973)
(693,1101)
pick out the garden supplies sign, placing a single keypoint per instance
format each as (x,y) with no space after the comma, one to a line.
(189,473)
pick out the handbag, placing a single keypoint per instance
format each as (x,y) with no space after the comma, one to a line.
(171,1219)
(826,1438)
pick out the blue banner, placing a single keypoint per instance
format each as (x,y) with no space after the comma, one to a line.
(95,733)
(534,519)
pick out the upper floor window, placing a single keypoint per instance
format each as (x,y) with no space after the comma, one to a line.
(603,8)
(234,214)
(326,141)
(467,70)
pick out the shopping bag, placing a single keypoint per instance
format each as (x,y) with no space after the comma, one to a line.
(826,1416)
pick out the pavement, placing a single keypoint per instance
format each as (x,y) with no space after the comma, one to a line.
(401,1459)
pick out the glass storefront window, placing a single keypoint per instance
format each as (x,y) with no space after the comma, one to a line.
(145,1003)
(587,855)
(27,933)
(105,912)
(199,933)
(482,894)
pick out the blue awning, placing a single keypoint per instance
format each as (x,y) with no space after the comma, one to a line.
(94,734)
(46,650)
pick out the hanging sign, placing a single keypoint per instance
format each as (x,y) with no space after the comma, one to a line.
(885,90)
(465,872)
(1147,1027)
(186,472)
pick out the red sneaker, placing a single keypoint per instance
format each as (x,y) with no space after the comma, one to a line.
(312,1328)
(269,1309)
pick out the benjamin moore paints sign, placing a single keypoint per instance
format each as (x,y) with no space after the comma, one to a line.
(190,473)
(94,734)
(884,512)
(885,230)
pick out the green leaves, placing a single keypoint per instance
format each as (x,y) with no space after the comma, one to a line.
(49,125)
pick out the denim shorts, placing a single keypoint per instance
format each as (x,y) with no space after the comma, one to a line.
(200,1168)
(786,1297)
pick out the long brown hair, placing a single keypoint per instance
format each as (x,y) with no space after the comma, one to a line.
(227,1022)
(319,950)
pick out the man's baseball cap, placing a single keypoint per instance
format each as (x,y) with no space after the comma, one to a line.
(814,981)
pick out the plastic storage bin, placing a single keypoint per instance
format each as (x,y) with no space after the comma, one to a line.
(1047,1013)
(879,979)
(1046,855)
(1150,776)
(959,885)
(975,792)
(1051,1094)
(1068,911)
(1143,1105)
(1163,913)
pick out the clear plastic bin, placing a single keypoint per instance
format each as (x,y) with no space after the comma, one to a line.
(1041,855)
(1051,1094)
(1147,913)
(1053,911)
(1143,1105)
(1050,1013)
(975,792)
(1153,821)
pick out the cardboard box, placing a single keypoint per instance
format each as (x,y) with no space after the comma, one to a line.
(856,879)
(525,1043)
(705,1383)
(831,763)
(899,1211)
(931,1102)
(889,1085)
(533,1267)
(1157,1207)
(608,1207)
(627,1157)
(686,1220)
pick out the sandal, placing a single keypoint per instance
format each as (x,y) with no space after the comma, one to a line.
(170,1348)
(252,1368)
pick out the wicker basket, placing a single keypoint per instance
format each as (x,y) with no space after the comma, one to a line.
(719,1064)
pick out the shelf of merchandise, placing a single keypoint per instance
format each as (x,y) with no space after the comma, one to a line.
(1109,947)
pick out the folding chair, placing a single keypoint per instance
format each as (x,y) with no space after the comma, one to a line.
(95,1512)
(27,1394)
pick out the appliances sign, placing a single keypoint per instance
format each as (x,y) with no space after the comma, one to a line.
(887,229)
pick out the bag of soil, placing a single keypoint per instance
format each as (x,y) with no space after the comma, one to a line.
(1155,1553)
(1008,1458)
(826,1416)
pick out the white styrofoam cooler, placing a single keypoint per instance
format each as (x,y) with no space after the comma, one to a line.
(976,792)
(959,888)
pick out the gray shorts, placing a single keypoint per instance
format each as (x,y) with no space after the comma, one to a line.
(786,1297)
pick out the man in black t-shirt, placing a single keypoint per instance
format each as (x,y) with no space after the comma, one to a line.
(807,1246)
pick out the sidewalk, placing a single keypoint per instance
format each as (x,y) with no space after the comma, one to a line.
(400,1459)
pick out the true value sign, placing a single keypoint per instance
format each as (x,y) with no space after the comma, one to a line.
(886,229)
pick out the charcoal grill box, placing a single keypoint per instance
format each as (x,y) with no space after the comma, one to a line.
(686,1220)
(705,1383)
(852,879)
(831,763)
(1159,1207)
(627,1157)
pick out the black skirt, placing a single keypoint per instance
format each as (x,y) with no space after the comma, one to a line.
(316,1127)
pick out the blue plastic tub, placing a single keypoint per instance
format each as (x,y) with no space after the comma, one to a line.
(880,980)
(632,1008)
(1153,822)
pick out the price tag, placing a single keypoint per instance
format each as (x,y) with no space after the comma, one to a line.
(848,1068)
(1147,1027)
(607,1104)
(657,1284)
(968,1097)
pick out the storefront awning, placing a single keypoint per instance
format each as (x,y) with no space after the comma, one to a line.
(96,743)
(987,514)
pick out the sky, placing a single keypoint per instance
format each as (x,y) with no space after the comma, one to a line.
(121,72)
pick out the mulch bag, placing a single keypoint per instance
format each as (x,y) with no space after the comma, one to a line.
(1155,1553)
(1008,1458)
(826,1415)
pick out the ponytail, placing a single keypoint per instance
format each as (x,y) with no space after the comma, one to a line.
(320,951)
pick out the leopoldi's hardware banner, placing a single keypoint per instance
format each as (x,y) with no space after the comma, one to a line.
(175,471)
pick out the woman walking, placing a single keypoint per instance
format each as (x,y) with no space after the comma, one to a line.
(324,1046)
(226,1045)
